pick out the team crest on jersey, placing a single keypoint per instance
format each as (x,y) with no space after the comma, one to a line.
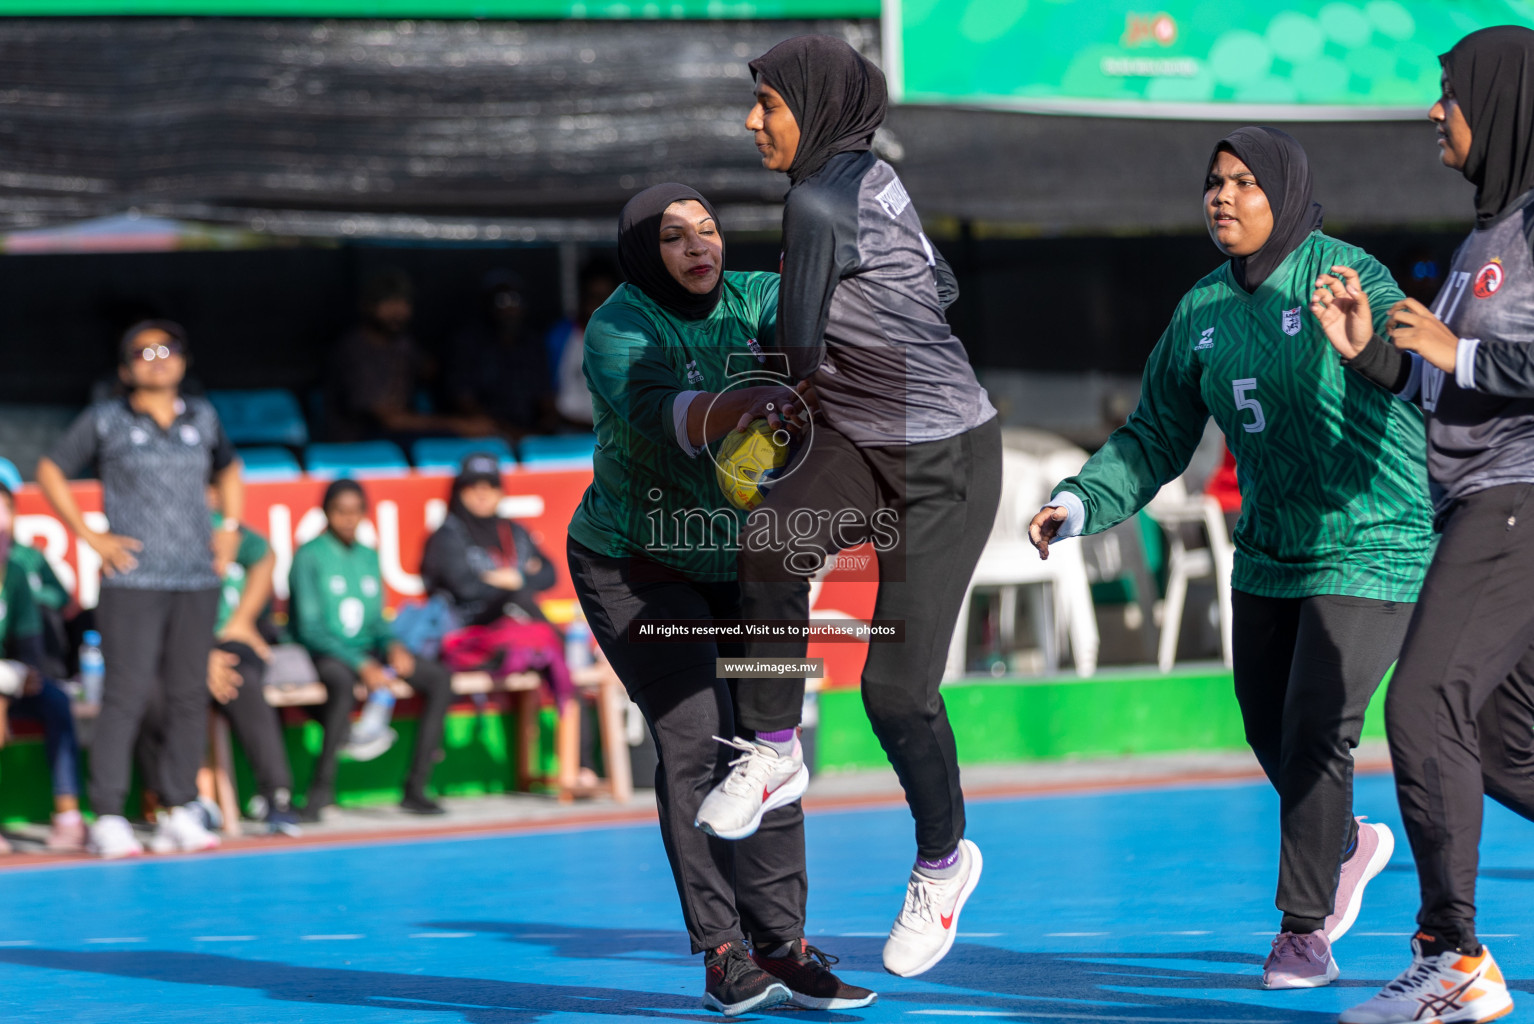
(338,585)
(370,586)
(1205,340)
(1488,279)
(756,350)
(1291,321)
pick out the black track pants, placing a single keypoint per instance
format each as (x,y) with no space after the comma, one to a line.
(928,509)
(756,887)
(155,645)
(1305,670)
(1460,712)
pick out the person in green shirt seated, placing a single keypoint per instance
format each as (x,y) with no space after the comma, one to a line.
(64,624)
(25,693)
(336,611)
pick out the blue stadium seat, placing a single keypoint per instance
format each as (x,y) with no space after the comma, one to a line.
(269,464)
(557,451)
(365,458)
(437,453)
(266,416)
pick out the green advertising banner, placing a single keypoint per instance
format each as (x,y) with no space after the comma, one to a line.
(1284,60)
(430,9)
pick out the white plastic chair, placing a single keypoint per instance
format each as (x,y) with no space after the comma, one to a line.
(1010,561)
(1171,507)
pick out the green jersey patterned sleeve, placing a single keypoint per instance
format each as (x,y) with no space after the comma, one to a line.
(308,606)
(628,370)
(1153,447)
(1381,288)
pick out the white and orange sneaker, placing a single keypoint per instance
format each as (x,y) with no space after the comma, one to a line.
(760,780)
(1442,988)
(925,929)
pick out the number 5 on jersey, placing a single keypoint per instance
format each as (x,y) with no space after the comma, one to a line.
(1243,401)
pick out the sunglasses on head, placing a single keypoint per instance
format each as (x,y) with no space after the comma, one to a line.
(149,353)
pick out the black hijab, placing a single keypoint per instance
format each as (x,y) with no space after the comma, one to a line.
(639,252)
(1283,173)
(483,531)
(837,95)
(1492,75)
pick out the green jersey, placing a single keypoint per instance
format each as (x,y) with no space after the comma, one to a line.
(19,617)
(47,591)
(253,548)
(1332,469)
(649,495)
(336,595)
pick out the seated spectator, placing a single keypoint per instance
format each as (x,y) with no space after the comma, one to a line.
(25,693)
(598,280)
(336,610)
(63,622)
(497,367)
(489,571)
(377,369)
(236,667)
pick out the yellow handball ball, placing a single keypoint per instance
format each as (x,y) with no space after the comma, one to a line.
(747,459)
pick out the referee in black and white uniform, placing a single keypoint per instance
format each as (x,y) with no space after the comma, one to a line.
(155,451)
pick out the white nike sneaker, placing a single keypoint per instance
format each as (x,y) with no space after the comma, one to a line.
(1448,988)
(181,831)
(112,838)
(925,929)
(760,780)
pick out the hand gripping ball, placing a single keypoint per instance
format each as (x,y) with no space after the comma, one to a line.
(748,459)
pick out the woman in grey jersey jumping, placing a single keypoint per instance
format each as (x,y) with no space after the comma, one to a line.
(905,452)
(1460,711)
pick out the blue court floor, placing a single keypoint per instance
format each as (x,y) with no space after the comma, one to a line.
(1119,907)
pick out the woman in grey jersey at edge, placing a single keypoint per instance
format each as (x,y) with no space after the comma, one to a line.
(1460,710)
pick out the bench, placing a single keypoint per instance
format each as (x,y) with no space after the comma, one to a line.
(597,683)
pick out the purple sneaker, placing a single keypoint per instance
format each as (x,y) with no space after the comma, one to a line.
(1299,961)
(1370,855)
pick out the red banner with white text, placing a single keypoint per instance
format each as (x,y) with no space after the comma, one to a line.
(403,511)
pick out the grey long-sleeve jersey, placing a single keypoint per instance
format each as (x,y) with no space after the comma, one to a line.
(860,310)
(1481,418)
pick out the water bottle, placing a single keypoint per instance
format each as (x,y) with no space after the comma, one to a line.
(578,644)
(92,668)
(375,716)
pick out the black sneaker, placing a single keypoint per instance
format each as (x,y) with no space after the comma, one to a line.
(282,821)
(420,803)
(807,973)
(733,984)
(317,802)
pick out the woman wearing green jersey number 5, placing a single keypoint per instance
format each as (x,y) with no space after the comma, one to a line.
(654,538)
(1335,530)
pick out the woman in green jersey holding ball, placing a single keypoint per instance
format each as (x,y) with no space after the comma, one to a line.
(1335,529)
(673,363)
